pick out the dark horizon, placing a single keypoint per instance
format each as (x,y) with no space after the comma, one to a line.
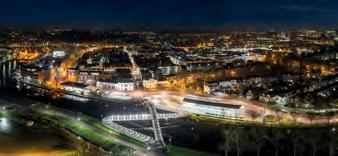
(169,15)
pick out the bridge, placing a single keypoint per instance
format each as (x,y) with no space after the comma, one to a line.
(137,117)
(156,124)
(127,131)
(158,141)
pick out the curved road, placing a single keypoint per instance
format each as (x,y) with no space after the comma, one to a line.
(173,101)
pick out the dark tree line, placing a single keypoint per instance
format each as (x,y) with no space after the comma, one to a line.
(261,141)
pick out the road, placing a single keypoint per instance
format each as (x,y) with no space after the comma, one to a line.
(173,101)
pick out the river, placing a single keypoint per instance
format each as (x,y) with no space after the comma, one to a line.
(208,137)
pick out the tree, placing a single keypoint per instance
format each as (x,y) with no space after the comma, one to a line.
(311,116)
(293,114)
(295,137)
(81,147)
(227,140)
(279,116)
(313,139)
(331,141)
(253,114)
(275,138)
(238,138)
(257,135)
(329,116)
(309,99)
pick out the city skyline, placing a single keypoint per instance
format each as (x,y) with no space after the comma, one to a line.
(169,78)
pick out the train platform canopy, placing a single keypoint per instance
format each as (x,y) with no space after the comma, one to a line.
(210,103)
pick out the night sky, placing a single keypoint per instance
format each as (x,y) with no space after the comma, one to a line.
(169,14)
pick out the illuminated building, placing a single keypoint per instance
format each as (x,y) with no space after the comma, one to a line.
(119,85)
(78,88)
(119,80)
(58,53)
(106,59)
(88,77)
(30,71)
(210,107)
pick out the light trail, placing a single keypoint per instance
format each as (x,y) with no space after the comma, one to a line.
(173,101)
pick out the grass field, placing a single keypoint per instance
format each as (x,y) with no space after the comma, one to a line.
(181,151)
(81,129)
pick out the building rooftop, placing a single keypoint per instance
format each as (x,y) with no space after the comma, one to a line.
(107,58)
(74,84)
(215,104)
(119,76)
